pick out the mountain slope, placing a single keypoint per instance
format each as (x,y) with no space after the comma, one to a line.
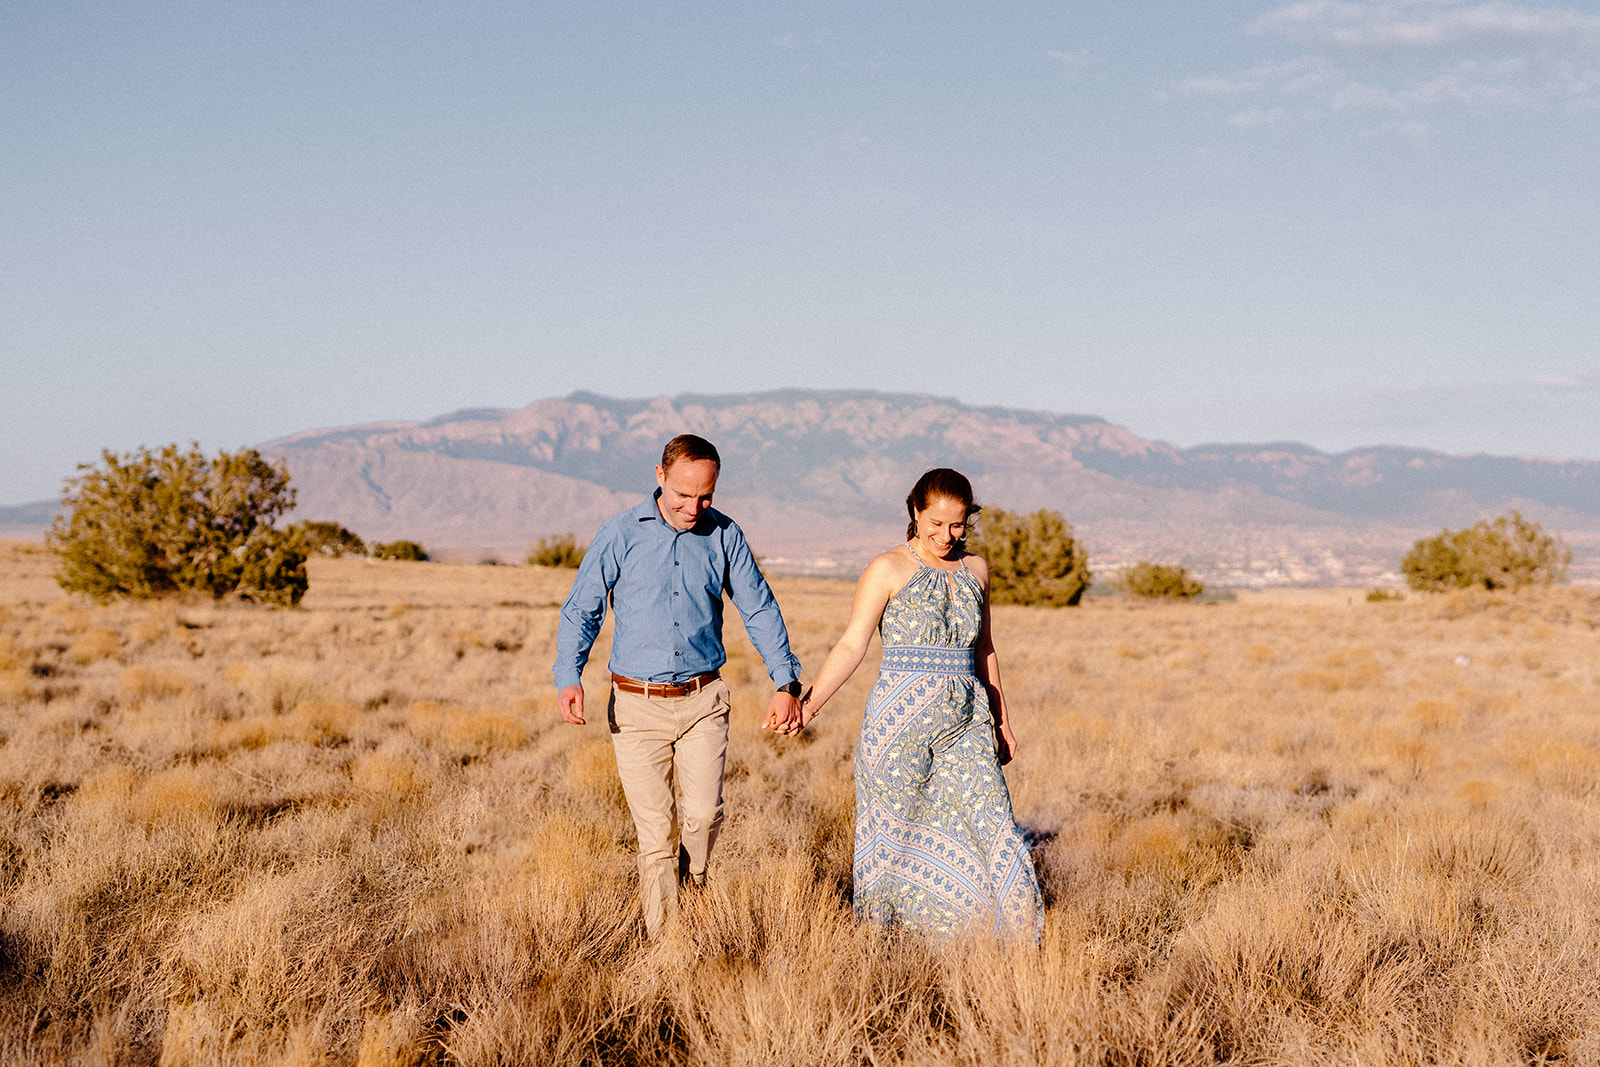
(814,474)
(854,453)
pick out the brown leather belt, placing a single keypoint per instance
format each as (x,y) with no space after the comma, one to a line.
(665,689)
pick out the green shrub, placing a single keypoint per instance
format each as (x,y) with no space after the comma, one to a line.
(1380,595)
(1148,579)
(1033,559)
(560,551)
(1506,553)
(150,523)
(401,550)
(331,539)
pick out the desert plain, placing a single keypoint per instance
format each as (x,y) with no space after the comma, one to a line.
(1295,828)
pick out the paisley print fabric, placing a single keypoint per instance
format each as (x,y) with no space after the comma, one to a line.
(937,848)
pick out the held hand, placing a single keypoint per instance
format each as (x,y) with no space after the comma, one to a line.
(1005,743)
(808,709)
(570,701)
(783,714)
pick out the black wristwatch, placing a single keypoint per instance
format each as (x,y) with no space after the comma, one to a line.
(793,689)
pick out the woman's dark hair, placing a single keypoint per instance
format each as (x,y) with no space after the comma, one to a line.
(941,481)
(688,446)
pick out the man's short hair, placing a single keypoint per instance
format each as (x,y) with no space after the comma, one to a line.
(689,446)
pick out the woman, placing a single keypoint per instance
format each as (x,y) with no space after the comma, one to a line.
(937,848)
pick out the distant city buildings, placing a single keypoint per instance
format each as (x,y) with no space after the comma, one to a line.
(1231,559)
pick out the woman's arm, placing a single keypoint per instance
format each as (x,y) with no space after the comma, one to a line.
(878,583)
(988,666)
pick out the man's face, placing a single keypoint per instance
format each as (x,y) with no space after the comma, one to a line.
(686,489)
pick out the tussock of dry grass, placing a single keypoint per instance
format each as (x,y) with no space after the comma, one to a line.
(1302,829)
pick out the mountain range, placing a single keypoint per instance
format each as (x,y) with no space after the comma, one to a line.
(818,480)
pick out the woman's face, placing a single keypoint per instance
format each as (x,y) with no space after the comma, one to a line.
(940,525)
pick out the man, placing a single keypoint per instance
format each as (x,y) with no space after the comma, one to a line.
(664,566)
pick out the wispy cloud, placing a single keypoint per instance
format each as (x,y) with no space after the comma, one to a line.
(1491,390)
(1407,57)
(1547,415)
(1430,25)
(1403,127)
(1076,63)
(1569,383)
(1256,116)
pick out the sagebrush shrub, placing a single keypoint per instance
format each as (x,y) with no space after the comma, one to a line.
(1506,553)
(559,551)
(1033,559)
(1153,580)
(149,523)
(331,539)
(401,550)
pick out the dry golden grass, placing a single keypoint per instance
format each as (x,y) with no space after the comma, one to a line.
(1299,828)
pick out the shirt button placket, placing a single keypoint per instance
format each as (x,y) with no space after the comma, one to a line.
(677,579)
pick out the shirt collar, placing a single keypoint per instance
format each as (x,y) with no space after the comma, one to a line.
(650,508)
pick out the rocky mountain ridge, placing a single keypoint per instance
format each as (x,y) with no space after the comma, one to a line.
(818,478)
(849,449)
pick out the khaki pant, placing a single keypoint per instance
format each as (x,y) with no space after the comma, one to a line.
(656,738)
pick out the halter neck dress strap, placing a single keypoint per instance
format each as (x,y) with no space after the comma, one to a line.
(928,566)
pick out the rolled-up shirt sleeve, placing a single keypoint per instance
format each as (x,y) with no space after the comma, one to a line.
(763,620)
(585,607)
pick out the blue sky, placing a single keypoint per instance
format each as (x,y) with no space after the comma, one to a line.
(1342,223)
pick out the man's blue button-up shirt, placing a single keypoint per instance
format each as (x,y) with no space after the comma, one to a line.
(665,587)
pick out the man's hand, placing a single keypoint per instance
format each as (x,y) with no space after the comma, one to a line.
(570,701)
(783,713)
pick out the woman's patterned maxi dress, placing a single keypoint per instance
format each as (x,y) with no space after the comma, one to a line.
(937,848)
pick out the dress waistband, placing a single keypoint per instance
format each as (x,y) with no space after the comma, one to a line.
(933,659)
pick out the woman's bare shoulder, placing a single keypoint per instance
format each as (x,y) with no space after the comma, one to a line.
(895,565)
(978,566)
(898,556)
